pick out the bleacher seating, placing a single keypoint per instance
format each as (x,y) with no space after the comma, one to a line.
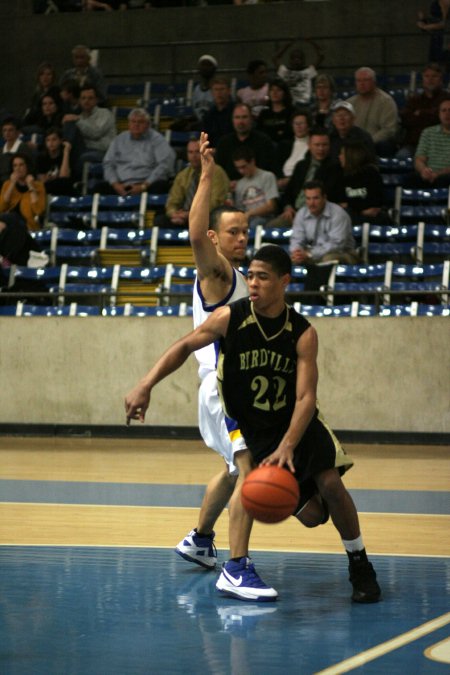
(430,206)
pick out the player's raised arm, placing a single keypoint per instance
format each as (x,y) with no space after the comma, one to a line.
(138,399)
(206,256)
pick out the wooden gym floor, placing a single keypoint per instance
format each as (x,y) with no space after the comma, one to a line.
(90,584)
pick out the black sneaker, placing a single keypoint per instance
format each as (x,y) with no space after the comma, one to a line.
(364,581)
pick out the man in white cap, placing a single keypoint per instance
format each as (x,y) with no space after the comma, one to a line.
(344,129)
(202,98)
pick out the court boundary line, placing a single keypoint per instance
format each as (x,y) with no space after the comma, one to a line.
(386,647)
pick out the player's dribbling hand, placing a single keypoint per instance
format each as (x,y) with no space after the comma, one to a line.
(136,404)
(280,458)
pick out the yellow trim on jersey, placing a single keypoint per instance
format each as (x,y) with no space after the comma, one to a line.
(342,459)
(286,326)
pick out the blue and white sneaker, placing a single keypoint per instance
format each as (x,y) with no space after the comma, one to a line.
(199,550)
(240,580)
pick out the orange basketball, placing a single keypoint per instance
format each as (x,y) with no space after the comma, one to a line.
(270,494)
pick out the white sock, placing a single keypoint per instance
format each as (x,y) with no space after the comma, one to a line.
(354,544)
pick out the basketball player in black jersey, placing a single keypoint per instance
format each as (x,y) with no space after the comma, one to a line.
(268,377)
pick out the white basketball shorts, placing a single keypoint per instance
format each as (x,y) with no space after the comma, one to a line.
(218,431)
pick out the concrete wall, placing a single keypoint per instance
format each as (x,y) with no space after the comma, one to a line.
(376,374)
(154,44)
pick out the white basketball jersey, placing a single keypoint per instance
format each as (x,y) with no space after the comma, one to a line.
(201,310)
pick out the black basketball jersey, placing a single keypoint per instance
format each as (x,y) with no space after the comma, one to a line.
(257,373)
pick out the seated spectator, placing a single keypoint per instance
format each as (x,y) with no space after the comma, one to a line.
(298,77)
(322,230)
(290,152)
(83,72)
(256,94)
(422,109)
(51,113)
(23,194)
(217,120)
(97,126)
(138,160)
(275,120)
(344,129)
(53,166)
(256,193)
(70,96)
(182,192)
(16,242)
(432,158)
(375,112)
(243,134)
(46,83)
(324,96)
(317,164)
(362,185)
(202,97)
(13,144)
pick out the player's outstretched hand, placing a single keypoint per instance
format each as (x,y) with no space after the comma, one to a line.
(136,403)
(206,154)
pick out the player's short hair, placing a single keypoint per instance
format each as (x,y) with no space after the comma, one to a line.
(216,215)
(276,257)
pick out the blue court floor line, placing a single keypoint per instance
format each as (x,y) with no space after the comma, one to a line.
(190,496)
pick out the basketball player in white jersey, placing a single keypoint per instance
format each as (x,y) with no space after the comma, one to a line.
(219,248)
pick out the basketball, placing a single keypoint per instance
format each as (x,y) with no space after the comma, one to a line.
(270,494)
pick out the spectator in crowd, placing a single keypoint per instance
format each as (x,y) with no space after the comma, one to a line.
(422,109)
(70,95)
(202,97)
(317,164)
(12,144)
(290,152)
(46,83)
(23,194)
(83,72)
(256,193)
(256,93)
(51,113)
(433,22)
(53,165)
(182,192)
(375,112)
(322,230)
(344,129)
(51,117)
(244,134)
(362,185)
(97,126)
(217,121)
(298,77)
(138,160)
(432,158)
(16,242)
(275,119)
(324,94)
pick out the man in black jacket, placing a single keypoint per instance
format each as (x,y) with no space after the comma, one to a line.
(317,165)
